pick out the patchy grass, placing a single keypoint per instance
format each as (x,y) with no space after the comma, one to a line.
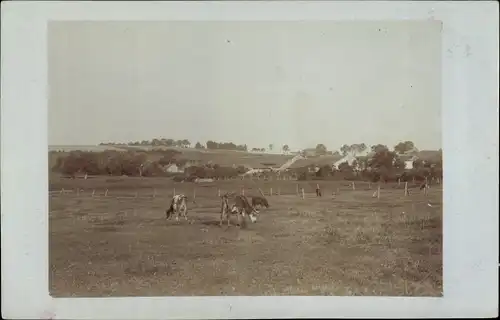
(351,245)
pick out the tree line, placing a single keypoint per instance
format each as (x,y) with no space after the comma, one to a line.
(320,148)
(381,163)
(182,143)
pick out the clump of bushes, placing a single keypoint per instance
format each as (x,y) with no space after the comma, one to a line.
(136,163)
(114,163)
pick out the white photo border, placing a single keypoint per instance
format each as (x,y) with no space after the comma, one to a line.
(470,144)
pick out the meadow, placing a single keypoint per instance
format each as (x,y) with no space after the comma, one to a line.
(109,237)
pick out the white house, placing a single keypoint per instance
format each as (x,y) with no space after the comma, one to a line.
(408,161)
(173,168)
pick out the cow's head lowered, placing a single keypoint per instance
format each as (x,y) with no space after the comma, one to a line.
(254,213)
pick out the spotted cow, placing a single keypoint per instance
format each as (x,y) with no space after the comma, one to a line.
(240,206)
(178,206)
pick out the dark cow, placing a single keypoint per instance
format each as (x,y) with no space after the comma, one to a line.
(260,201)
(177,205)
(241,206)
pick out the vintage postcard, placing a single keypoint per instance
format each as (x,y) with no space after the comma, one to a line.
(244,158)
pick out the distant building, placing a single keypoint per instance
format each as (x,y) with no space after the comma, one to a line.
(173,168)
(408,160)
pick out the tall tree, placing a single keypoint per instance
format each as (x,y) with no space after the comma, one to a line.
(404,147)
(286,148)
(271,146)
(345,149)
(321,149)
(379,147)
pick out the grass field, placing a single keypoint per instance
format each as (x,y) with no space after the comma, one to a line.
(353,244)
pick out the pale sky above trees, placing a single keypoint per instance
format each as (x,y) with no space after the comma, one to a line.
(254,83)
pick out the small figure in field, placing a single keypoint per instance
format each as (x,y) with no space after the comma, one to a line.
(241,207)
(177,205)
(318,191)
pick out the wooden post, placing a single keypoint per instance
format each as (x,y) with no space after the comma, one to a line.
(86,176)
(303,194)
(369,185)
(174,192)
(406,188)
(106,193)
(353,186)
(261,193)
(62,190)
(242,191)
(279,192)
(194,194)
(93,192)
(218,192)
(399,181)
(271,191)
(378,192)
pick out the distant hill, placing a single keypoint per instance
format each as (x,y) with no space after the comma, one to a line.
(221,157)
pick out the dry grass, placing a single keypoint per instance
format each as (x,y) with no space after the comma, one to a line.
(351,245)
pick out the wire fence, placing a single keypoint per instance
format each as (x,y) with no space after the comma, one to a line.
(303,189)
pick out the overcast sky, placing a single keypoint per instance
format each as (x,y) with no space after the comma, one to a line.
(295,83)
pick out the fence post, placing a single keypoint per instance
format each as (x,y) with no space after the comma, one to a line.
(93,192)
(353,186)
(399,181)
(194,193)
(378,192)
(271,191)
(174,192)
(369,185)
(406,188)
(303,194)
(62,190)
(218,192)
(242,191)
(279,192)
(106,193)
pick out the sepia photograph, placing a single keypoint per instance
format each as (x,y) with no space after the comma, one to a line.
(245,158)
(249,160)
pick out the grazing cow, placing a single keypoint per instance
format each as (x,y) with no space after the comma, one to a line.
(177,205)
(241,207)
(260,201)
